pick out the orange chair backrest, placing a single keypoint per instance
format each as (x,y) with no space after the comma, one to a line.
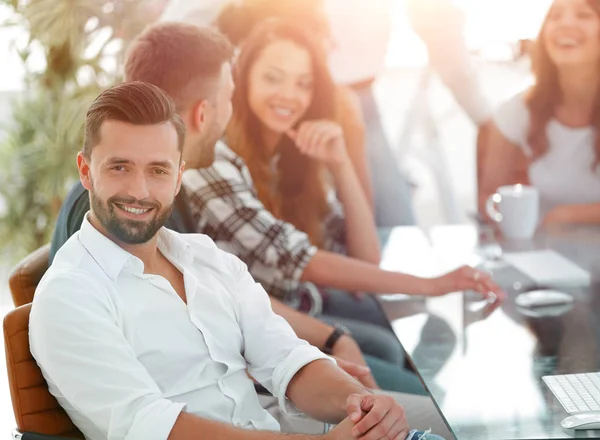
(26,275)
(36,410)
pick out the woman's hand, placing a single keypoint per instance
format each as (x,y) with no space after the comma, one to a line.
(321,140)
(466,278)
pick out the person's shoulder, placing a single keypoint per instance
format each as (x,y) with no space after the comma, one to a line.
(227,166)
(73,276)
(225,155)
(202,246)
(348,108)
(207,253)
(511,117)
(73,257)
(196,241)
(70,295)
(346,97)
(515,104)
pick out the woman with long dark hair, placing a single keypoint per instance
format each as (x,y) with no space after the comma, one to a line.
(284,197)
(547,136)
(237,20)
(283,127)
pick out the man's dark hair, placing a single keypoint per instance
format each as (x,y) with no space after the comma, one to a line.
(182,59)
(134,102)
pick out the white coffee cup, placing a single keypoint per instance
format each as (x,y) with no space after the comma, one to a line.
(516,210)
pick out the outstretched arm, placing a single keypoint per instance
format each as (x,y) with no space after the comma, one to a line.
(341,272)
(579,214)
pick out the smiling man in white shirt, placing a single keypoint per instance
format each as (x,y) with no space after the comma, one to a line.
(144,333)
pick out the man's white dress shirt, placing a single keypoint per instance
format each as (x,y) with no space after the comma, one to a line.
(124,355)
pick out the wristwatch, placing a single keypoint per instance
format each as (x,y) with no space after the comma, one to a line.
(338,331)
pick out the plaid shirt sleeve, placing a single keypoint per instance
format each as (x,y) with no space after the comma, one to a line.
(225,207)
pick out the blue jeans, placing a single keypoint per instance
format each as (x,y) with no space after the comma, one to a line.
(391,377)
(371,331)
(391,191)
(365,309)
(383,356)
(370,327)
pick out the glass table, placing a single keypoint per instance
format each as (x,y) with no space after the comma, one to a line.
(483,362)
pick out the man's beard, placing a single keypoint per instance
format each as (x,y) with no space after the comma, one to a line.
(128,230)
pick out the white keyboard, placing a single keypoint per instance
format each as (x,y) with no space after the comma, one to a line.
(576,392)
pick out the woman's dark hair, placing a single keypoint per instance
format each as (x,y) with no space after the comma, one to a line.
(300,195)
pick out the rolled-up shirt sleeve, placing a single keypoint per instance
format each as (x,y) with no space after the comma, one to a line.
(273,351)
(89,365)
(226,208)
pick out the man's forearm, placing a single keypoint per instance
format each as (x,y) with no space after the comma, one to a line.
(321,389)
(191,427)
(341,272)
(306,327)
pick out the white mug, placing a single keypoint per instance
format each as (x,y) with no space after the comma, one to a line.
(517,211)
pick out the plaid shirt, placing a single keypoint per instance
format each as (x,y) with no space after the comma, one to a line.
(225,206)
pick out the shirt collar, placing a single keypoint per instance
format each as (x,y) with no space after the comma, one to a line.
(175,247)
(112,258)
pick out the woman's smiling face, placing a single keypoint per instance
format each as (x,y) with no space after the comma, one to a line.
(280,85)
(572,33)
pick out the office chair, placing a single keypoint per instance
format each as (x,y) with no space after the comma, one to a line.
(26,275)
(37,413)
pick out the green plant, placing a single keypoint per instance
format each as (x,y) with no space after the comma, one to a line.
(82,43)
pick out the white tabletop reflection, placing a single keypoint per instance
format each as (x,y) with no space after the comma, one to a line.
(483,361)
